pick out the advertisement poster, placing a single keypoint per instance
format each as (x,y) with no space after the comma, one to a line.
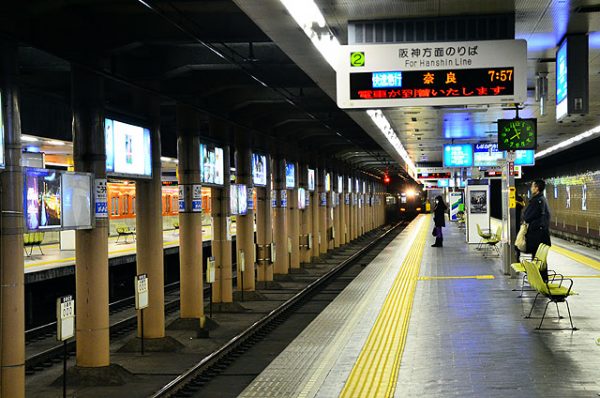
(327,182)
(568,188)
(456,202)
(76,200)
(128,149)
(349,184)
(584,197)
(478,202)
(2,156)
(259,169)
(301,198)
(211,164)
(340,184)
(101,198)
(311,180)
(233,199)
(219,167)
(250,196)
(242,199)
(290,176)
(197,198)
(42,199)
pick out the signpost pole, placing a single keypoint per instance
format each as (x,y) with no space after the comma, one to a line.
(65,355)
(142,329)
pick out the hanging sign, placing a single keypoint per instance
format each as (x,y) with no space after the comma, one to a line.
(101,197)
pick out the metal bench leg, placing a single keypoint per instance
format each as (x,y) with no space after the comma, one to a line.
(542,321)
(557,310)
(570,319)
(40,247)
(533,305)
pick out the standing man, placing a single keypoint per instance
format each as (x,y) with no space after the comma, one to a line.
(537,215)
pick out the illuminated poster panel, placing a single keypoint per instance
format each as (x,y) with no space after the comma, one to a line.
(233,199)
(76,200)
(561,81)
(242,199)
(2,156)
(340,184)
(211,165)
(458,155)
(327,182)
(485,155)
(349,184)
(259,170)
(525,157)
(42,199)
(311,180)
(290,176)
(301,198)
(128,150)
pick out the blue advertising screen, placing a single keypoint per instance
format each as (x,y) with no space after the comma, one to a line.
(561,73)
(486,155)
(458,155)
(290,176)
(443,183)
(525,157)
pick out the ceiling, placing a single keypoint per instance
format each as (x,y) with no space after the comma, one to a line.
(205,54)
(423,130)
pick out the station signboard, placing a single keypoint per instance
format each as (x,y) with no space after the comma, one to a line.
(458,155)
(65,318)
(432,74)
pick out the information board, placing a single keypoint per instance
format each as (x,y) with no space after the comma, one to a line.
(101,198)
(128,149)
(525,157)
(259,170)
(486,155)
(458,155)
(141,291)
(432,74)
(65,318)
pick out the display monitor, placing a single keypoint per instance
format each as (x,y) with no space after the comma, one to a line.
(233,199)
(349,184)
(525,157)
(311,180)
(458,155)
(301,198)
(327,182)
(290,175)
(76,200)
(128,149)
(340,184)
(42,199)
(485,155)
(561,81)
(212,168)
(356,186)
(259,170)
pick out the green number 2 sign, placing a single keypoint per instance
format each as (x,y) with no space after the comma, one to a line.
(357,59)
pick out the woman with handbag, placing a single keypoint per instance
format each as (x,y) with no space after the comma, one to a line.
(439,218)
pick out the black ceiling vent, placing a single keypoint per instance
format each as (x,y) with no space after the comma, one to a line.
(433,29)
(587,9)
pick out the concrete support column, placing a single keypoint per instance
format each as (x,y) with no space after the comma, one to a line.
(190,223)
(149,237)
(315,215)
(245,223)
(264,227)
(330,210)
(221,236)
(323,241)
(12,279)
(354,209)
(337,224)
(346,208)
(305,216)
(91,245)
(280,224)
(294,221)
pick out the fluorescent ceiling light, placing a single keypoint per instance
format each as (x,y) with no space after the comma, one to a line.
(384,125)
(168,159)
(568,142)
(56,143)
(28,138)
(308,16)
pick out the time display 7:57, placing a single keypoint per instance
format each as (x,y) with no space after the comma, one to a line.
(501,75)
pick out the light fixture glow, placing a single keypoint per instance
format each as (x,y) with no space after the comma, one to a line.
(168,159)
(308,16)
(28,138)
(56,143)
(386,128)
(568,142)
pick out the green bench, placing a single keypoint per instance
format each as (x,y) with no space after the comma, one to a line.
(124,230)
(540,259)
(31,240)
(553,291)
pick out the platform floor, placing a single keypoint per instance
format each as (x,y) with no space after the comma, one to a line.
(430,322)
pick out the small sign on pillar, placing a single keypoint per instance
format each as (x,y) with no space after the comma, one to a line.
(65,318)
(141,291)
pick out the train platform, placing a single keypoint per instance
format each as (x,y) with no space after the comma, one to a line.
(431,322)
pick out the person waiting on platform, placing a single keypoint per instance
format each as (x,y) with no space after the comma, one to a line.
(439,218)
(519,205)
(537,216)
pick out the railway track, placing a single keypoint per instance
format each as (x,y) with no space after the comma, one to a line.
(193,380)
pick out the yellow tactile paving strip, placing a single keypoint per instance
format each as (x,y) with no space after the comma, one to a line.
(375,372)
(580,258)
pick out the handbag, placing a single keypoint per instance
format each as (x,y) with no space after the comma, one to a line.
(521,240)
(434,232)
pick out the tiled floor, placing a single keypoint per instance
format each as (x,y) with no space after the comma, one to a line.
(467,337)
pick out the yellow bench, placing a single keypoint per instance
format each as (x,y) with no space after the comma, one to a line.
(31,240)
(124,230)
